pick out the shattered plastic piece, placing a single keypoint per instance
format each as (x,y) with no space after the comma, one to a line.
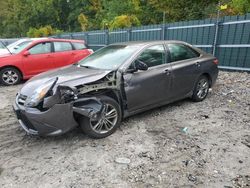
(192,178)
(122,160)
(185,129)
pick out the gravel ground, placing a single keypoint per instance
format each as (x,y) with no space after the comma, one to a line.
(183,144)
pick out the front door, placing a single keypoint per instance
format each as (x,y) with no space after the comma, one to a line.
(145,88)
(40,59)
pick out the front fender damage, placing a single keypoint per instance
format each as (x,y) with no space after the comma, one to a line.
(88,107)
(82,102)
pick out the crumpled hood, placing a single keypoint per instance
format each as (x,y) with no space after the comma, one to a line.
(69,76)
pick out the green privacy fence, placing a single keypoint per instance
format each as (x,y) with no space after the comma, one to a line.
(228,39)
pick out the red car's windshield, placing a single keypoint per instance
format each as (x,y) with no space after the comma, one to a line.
(18,48)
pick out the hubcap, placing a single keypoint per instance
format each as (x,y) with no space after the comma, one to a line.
(10,77)
(202,88)
(107,120)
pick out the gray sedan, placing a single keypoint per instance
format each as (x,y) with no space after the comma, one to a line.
(115,82)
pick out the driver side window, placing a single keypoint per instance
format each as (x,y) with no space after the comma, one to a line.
(41,48)
(153,56)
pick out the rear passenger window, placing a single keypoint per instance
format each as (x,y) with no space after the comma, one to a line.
(79,46)
(62,46)
(180,52)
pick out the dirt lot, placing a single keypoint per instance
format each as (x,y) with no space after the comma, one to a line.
(183,144)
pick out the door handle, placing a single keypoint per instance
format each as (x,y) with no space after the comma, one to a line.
(198,64)
(167,71)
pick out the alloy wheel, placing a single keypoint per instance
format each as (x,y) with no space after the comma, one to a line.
(10,77)
(107,120)
(202,88)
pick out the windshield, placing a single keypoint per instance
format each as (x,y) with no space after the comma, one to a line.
(15,49)
(110,57)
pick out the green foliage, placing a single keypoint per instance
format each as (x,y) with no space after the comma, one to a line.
(240,6)
(17,16)
(43,31)
(83,20)
(124,21)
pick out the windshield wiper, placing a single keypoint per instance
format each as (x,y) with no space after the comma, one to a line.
(86,66)
(6,47)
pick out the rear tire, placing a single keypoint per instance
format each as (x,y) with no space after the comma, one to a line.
(201,89)
(10,76)
(105,125)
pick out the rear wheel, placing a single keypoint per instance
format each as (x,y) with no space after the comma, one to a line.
(201,89)
(10,76)
(107,123)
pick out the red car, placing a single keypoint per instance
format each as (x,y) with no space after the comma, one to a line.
(35,56)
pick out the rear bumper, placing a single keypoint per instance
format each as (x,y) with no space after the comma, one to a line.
(55,121)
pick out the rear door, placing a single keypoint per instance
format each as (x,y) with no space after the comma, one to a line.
(80,51)
(185,69)
(39,60)
(63,53)
(145,88)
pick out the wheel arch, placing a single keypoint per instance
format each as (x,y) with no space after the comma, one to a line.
(208,77)
(12,66)
(109,93)
(114,94)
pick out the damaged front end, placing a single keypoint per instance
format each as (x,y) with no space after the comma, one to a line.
(54,109)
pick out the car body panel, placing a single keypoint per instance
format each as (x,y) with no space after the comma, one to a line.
(139,87)
(134,91)
(71,75)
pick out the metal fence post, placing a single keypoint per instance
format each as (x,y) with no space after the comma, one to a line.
(217,25)
(163,31)
(129,34)
(87,38)
(107,36)
(216,29)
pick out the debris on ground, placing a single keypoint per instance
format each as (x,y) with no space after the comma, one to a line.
(149,150)
(122,160)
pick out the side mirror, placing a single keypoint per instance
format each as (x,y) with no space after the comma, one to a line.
(139,65)
(26,53)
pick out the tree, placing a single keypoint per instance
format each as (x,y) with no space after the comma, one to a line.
(240,6)
(83,20)
(17,16)
(124,21)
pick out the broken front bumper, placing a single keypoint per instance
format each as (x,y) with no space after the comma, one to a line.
(58,118)
(54,121)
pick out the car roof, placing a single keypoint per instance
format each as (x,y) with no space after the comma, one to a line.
(55,40)
(144,43)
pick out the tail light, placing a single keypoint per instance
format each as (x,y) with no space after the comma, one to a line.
(90,51)
(216,61)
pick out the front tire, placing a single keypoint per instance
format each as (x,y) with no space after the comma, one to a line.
(201,89)
(10,76)
(106,124)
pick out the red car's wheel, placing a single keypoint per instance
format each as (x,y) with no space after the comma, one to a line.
(10,76)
